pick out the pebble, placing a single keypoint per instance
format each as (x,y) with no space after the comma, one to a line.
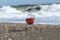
(33,34)
(8,34)
(33,29)
(39,37)
(14,34)
(5,35)
(11,33)
(59,34)
(6,27)
(28,37)
(23,32)
(1,37)
(46,38)
(9,39)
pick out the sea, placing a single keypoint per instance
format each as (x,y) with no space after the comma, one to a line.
(43,13)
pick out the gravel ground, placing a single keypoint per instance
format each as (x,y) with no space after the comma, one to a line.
(19,31)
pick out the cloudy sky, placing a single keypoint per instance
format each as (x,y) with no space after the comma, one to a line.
(22,2)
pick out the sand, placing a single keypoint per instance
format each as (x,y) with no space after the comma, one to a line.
(19,31)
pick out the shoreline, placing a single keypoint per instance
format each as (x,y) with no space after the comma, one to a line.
(34,23)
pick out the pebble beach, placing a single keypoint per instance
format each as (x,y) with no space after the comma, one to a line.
(19,31)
